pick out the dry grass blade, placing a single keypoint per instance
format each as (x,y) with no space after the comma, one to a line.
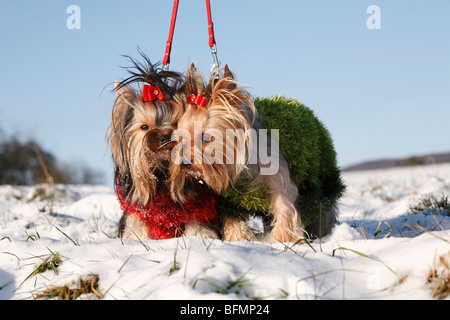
(439,278)
(418,226)
(67,293)
(379,231)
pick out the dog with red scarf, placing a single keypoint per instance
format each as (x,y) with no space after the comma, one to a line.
(144,115)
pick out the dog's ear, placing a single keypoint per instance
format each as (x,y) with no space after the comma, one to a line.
(226,89)
(194,83)
(192,67)
(122,113)
(227,72)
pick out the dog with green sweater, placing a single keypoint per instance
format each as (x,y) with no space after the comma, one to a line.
(296,201)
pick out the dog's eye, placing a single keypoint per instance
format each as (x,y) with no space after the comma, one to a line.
(206,138)
(144,127)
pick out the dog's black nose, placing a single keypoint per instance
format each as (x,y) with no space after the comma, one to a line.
(187,164)
(164,139)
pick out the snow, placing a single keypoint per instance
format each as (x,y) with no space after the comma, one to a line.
(376,252)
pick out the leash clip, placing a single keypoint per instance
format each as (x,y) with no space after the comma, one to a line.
(216,65)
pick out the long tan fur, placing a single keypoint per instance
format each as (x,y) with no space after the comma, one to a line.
(231,107)
(137,152)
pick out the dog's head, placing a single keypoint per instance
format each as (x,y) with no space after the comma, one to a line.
(211,137)
(142,123)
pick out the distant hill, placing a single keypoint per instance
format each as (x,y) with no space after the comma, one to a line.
(402,162)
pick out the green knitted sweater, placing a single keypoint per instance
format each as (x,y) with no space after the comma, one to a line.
(308,149)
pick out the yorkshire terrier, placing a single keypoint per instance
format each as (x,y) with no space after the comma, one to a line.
(229,107)
(214,112)
(139,137)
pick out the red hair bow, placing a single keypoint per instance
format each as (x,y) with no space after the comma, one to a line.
(151,93)
(197,100)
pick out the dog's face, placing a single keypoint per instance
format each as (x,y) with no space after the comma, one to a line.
(140,140)
(211,145)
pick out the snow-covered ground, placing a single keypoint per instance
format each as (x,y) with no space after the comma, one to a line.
(378,251)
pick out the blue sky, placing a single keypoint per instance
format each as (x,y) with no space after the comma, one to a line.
(381,93)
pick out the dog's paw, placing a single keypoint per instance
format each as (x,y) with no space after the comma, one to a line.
(237,230)
(285,235)
(200,230)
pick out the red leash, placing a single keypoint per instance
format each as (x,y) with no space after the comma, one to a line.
(212,39)
(166,60)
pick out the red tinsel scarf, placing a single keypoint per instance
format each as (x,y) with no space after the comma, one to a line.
(165,218)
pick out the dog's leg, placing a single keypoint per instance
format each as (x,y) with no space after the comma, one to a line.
(193,228)
(324,224)
(286,220)
(286,224)
(236,230)
(134,229)
(122,225)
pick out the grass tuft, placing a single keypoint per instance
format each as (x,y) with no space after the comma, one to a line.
(433,204)
(49,264)
(52,262)
(234,286)
(67,293)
